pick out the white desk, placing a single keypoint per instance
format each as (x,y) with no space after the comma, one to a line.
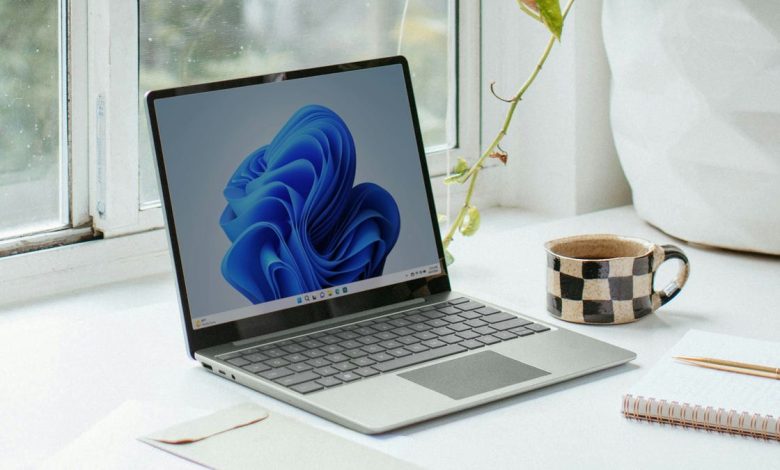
(68,362)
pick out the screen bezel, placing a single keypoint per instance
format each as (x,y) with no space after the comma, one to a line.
(305,314)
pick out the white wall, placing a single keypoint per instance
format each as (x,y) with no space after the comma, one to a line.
(562,160)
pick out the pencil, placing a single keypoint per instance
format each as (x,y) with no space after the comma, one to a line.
(732,366)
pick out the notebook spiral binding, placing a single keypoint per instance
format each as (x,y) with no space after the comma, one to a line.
(765,427)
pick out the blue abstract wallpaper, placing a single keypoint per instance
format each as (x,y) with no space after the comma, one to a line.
(295,219)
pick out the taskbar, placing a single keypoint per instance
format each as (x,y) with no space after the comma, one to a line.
(315,296)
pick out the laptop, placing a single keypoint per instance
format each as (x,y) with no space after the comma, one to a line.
(308,256)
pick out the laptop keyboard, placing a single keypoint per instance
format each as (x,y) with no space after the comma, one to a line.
(365,349)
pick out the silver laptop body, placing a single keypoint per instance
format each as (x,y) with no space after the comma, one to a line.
(308,257)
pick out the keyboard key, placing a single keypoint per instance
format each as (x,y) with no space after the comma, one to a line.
(450,339)
(472,344)
(442,331)
(325,371)
(434,343)
(362,361)
(293,348)
(373,348)
(348,335)
(403,331)
(314,353)
(350,344)
(299,367)
(453,318)
(470,305)
(433,315)
(459,327)
(256,357)
(285,342)
(449,310)
(385,335)
(407,340)
(307,387)
(521,331)
(274,352)
(469,315)
(319,362)
(329,382)
(338,357)
(277,362)
(392,344)
(238,361)
(475,323)
(381,357)
(425,335)
(255,368)
(399,322)
(370,339)
(484,330)
(330,339)
(344,366)
(399,352)
(296,379)
(349,327)
(296,358)
(419,358)
(332,348)
(468,334)
(311,343)
(365,331)
(366,371)
(496,317)
(504,335)
(488,339)
(537,327)
(416,348)
(420,327)
(514,323)
(347,376)
(382,326)
(417,318)
(487,310)
(458,301)
(274,374)
(354,353)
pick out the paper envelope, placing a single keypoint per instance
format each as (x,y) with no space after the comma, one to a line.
(247,436)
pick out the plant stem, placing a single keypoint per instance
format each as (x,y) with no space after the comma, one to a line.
(475,169)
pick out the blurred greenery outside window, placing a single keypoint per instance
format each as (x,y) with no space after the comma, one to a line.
(184,41)
(32,195)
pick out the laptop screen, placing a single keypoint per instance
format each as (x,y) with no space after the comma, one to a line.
(294,192)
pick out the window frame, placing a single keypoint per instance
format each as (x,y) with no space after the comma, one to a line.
(101,141)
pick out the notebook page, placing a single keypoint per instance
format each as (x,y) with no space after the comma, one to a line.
(672,380)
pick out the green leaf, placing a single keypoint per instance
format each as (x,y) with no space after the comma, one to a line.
(461,166)
(459,173)
(448,258)
(550,11)
(470,223)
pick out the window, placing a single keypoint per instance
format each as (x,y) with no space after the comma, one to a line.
(33,163)
(76,162)
(185,41)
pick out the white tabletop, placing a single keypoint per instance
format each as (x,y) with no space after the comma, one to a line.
(69,362)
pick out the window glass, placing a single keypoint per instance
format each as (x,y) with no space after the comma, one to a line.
(31,194)
(189,41)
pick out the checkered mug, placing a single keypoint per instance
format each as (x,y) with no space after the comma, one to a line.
(608,279)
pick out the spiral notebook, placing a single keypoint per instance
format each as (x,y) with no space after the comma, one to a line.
(680,394)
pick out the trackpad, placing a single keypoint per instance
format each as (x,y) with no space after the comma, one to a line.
(474,374)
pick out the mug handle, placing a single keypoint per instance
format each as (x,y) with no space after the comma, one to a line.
(673,288)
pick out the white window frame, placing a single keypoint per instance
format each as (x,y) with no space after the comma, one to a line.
(102,149)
